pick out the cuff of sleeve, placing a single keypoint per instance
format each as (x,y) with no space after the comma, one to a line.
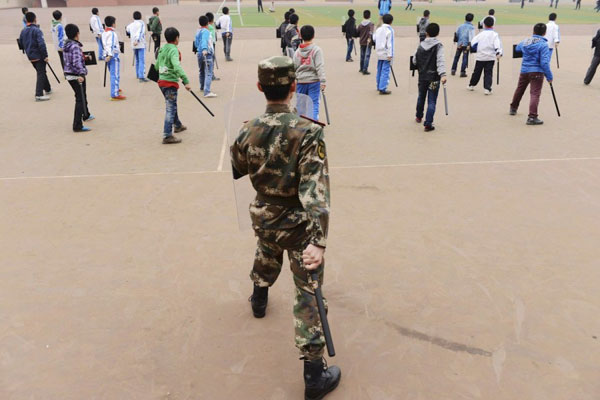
(319,241)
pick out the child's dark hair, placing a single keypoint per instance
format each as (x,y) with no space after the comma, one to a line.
(426,13)
(95,11)
(203,20)
(539,29)
(469,17)
(488,21)
(366,14)
(155,10)
(109,21)
(171,34)
(225,10)
(387,19)
(307,33)
(432,29)
(552,17)
(24,10)
(492,11)
(286,16)
(210,16)
(71,30)
(294,18)
(351,13)
(276,92)
(56,15)
(137,15)
(30,17)
(292,11)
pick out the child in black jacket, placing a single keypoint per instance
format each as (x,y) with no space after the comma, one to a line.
(350,33)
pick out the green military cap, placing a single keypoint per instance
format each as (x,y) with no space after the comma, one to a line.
(275,71)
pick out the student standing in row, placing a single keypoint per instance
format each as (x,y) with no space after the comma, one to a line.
(224,23)
(204,45)
(489,48)
(58,35)
(552,33)
(292,36)
(310,69)
(350,32)
(155,26)
(595,60)
(282,27)
(429,59)
(535,64)
(464,35)
(365,34)
(34,45)
(422,25)
(110,43)
(170,73)
(384,46)
(137,33)
(75,72)
(97,30)
(213,32)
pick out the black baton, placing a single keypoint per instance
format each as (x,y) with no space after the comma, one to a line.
(445,99)
(554,97)
(498,73)
(48,64)
(203,105)
(326,108)
(105,67)
(323,315)
(557,62)
(394,75)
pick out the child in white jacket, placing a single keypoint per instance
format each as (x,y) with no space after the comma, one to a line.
(137,33)
(552,33)
(489,48)
(384,46)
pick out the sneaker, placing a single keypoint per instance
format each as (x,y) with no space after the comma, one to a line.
(349,60)
(90,118)
(180,129)
(384,92)
(361,71)
(463,74)
(42,98)
(534,121)
(210,95)
(512,111)
(84,129)
(453,72)
(142,80)
(201,88)
(487,92)
(119,97)
(418,120)
(228,59)
(171,140)
(429,128)
(48,91)
(471,88)
(366,73)
(214,78)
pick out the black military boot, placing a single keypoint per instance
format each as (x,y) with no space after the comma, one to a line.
(259,300)
(319,380)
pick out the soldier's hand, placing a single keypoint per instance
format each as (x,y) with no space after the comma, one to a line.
(312,257)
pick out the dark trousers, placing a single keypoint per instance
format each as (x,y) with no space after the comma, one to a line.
(465,60)
(156,39)
(591,70)
(227,38)
(260,7)
(427,90)
(578,5)
(536,80)
(408,6)
(42,82)
(62,60)
(350,46)
(81,106)
(365,57)
(488,74)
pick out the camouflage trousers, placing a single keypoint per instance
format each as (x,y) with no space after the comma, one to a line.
(267,266)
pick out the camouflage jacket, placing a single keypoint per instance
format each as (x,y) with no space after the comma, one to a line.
(285,157)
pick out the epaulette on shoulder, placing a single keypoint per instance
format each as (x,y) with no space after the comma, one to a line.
(313,121)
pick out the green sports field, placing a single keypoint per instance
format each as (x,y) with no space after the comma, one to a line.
(510,14)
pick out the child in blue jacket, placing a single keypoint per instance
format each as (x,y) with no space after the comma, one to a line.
(535,65)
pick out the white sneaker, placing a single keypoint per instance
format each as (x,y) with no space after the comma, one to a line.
(49,92)
(210,95)
(471,88)
(487,92)
(42,98)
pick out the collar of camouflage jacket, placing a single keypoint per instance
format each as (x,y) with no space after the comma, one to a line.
(279,108)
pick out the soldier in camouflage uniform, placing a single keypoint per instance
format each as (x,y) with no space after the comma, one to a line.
(285,157)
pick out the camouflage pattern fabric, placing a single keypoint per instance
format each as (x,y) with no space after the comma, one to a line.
(285,158)
(276,71)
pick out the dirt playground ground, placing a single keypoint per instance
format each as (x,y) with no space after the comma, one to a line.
(461,264)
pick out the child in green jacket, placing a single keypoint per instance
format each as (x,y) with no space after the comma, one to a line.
(170,72)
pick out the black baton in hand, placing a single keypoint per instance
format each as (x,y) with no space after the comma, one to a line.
(445,99)
(554,97)
(203,105)
(498,73)
(326,108)
(105,67)
(323,315)
(393,74)
(48,64)
(557,62)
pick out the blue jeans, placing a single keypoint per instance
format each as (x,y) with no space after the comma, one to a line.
(465,60)
(312,90)
(171,117)
(350,43)
(100,48)
(383,74)
(140,62)
(205,65)
(430,91)
(114,66)
(365,56)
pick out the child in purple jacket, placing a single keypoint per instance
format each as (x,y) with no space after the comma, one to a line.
(75,72)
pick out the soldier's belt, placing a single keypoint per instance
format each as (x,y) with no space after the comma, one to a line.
(289,202)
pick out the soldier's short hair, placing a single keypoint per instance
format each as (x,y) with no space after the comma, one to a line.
(277,93)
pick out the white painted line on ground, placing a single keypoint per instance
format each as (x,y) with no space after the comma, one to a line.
(235,82)
(18,178)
